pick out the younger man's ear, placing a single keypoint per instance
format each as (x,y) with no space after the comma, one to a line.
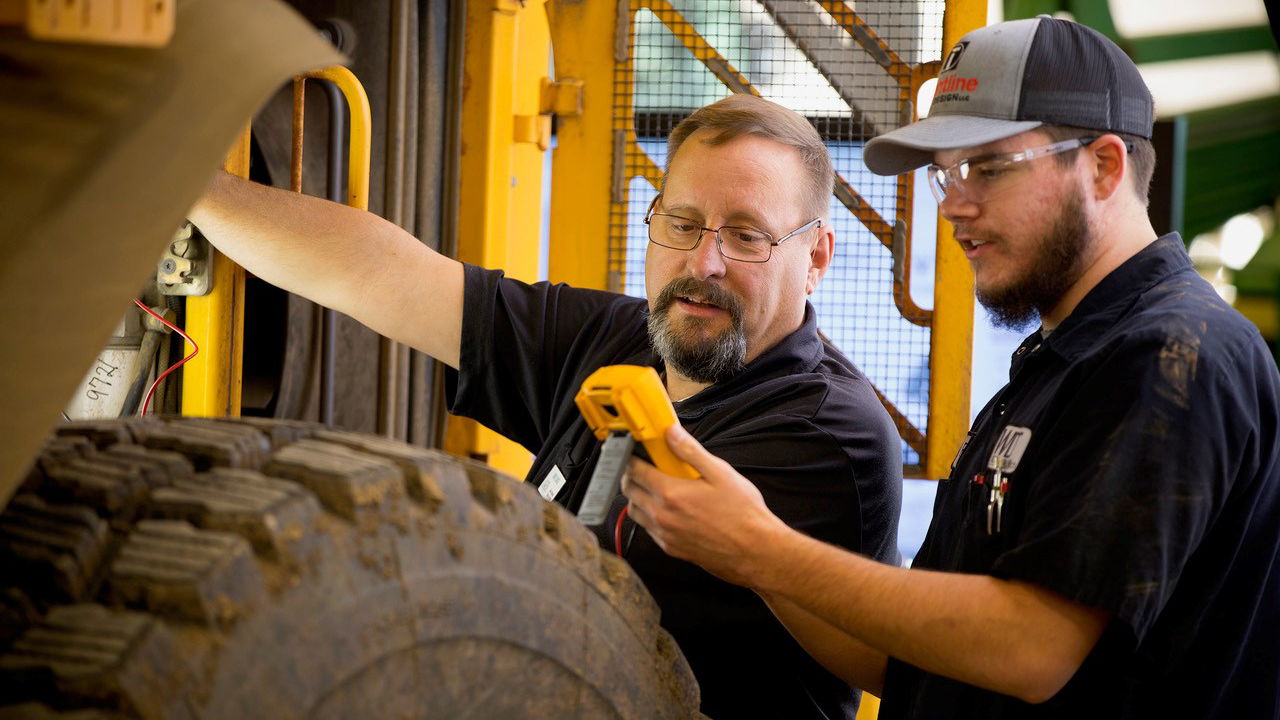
(1109,163)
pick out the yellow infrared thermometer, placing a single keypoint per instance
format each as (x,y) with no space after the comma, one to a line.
(623,404)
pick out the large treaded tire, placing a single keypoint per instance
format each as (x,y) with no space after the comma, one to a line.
(241,569)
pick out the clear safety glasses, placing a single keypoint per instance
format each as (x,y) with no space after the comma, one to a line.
(978,179)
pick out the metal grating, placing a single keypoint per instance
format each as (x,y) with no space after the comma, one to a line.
(852,74)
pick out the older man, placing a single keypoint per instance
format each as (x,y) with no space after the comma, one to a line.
(739,237)
(1107,543)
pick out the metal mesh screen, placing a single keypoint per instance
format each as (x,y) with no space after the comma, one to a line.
(850,74)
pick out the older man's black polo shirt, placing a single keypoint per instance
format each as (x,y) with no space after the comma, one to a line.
(1140,442)
(800,422)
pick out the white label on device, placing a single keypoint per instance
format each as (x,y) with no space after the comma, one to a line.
(551,484)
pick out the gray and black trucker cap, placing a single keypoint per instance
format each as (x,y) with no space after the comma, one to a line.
(1008,78)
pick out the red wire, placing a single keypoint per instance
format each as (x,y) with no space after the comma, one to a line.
(195,349)
(617,531)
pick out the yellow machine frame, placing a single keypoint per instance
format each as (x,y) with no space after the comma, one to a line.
(507,108)
(505,131)
(212,380)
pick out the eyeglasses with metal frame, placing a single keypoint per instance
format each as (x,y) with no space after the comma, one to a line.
(979,178)
(743,244)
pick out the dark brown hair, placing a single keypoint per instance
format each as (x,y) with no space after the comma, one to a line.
(1142,161)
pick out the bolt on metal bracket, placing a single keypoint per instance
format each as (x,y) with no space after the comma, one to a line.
(185,268)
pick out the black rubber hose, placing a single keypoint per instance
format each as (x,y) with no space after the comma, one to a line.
(146,361)
(167,398)
(337,188)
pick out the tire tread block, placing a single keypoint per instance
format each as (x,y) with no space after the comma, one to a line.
(208,444)
(103,433)
(273,515)
(430,476)
(56,450)
(174,570)
(344,481)
(162,467)
(114,487)
(91,655)
(246,436)
(66,447)
(56,549)
(278,432)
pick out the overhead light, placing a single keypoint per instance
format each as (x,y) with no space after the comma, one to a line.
(1241,237)
(1150,18)
(1181,86)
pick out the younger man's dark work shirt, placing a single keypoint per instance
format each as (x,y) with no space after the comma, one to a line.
(1144,440)
(800,422)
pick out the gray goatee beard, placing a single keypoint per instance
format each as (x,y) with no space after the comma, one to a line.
(691,351)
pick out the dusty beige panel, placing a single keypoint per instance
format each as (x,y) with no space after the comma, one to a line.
(102,151)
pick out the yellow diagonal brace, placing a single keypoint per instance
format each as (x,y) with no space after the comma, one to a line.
(696,44)
(862,33)
(863,211)
(648,170)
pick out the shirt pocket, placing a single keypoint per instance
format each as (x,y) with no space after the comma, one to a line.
(982,547)
(573,460)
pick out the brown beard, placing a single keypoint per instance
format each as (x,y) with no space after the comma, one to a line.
(698,358)
(1057,264)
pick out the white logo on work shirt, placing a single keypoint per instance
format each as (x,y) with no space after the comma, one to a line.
(551,484)
(1009,448)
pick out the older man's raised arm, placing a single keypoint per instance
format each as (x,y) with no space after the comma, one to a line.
(343,258)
